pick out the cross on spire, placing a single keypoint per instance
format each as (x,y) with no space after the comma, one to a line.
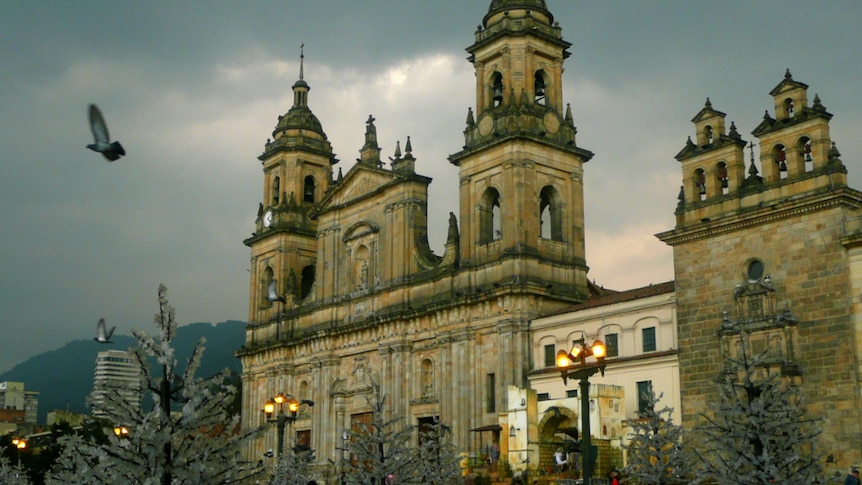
(301,59)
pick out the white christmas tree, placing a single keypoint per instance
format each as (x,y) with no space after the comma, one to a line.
(12,475)
(380,451)
(294,467)
(758,432)
(188,436)
(655,452)
(438,461)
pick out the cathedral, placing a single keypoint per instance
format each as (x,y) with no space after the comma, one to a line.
(347,299)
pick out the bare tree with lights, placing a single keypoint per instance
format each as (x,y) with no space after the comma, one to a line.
(655,452)
(438,461)
(380,452)
(188,436)
(294,468)
(12,474)
(759,433)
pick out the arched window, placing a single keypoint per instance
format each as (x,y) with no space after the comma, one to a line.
(489,216)
(707,132)
(268,276)
(539,84)
(551,214)
(276,189)
(307,280)
(427,378)
(721,174)
(781,160)
(700,183)
(308,190)
(805,150)
(496,89)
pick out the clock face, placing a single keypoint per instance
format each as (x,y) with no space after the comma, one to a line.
(267,219)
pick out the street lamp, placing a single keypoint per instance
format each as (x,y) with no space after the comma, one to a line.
(574,364)
(282,419)
(19,444)
(121,431)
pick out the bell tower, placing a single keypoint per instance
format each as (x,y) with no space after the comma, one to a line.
(297,171)
(766,249)
(521,171)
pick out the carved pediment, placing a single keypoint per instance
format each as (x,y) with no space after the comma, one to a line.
(358,184)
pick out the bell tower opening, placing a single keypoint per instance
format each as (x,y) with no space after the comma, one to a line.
(539,84)
(496,90)
(308,190)
(490,216)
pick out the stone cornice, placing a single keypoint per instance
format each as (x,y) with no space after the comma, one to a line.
(843,196)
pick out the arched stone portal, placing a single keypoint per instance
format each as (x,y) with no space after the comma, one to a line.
(556,422)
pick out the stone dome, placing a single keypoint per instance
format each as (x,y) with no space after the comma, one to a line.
(502,5)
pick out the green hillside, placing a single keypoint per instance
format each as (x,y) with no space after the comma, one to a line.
(64,377)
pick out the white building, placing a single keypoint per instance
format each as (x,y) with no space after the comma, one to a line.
(118,373)
(13,397)
(639,329)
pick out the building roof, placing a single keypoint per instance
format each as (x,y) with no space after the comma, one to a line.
(609,297)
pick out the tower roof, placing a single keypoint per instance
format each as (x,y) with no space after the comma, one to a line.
(502,5)
(300,116)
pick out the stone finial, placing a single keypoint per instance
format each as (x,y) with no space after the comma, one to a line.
(818,105)
(470,120)
(569,119)
(834,154)
(787,75)
(733,133)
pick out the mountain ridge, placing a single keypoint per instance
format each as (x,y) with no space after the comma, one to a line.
(64,376)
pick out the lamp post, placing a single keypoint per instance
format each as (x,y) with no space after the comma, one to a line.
(19,444)
(573,364)
(281,420)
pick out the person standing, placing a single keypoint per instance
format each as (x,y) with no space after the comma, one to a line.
(853,478)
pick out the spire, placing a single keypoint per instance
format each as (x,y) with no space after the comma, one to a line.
(299,117)
(370,152)
(300,87)
(301,60)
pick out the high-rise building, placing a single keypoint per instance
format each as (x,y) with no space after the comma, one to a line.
(118,374)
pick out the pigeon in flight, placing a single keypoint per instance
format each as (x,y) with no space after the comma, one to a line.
(103,145)
(103,336)
(272,293)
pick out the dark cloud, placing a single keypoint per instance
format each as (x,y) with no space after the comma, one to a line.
(193,89)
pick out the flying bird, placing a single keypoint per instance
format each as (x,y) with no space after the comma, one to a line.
(111,151)
(272,293)
(103,336)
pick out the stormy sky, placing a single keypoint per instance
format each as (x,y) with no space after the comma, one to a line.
(193,90)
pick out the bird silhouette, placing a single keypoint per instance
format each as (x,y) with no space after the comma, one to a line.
(110,150)
(272,293)
(103,336)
